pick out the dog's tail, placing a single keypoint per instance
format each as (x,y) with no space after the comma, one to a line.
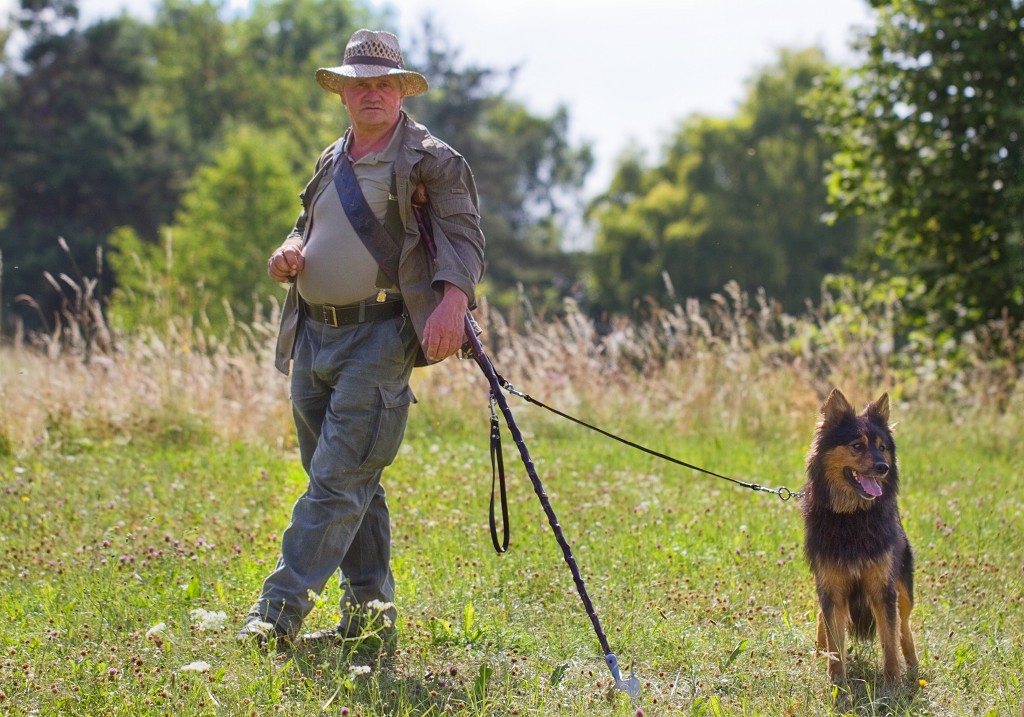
(862,620)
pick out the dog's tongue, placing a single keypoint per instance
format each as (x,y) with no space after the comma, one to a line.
(869,484)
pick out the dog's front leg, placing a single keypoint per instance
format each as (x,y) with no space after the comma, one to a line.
(905,605)
(883,598)
(835,614)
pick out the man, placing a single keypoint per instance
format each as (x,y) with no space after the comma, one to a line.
(353,328)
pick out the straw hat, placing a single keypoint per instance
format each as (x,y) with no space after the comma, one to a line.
(371,53)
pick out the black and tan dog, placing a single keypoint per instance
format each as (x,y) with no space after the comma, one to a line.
(854,540)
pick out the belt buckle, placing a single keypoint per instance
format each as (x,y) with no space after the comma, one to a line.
(331,319)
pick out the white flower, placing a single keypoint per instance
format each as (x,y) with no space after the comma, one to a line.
(356,670)
(198,666)
(379,606)
(209,620)
(156,629)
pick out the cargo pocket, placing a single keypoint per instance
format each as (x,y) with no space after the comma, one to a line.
(363,427)
(391,420)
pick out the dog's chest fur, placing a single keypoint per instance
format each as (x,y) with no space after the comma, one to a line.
(850,538)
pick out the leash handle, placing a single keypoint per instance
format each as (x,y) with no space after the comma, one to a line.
(498,476)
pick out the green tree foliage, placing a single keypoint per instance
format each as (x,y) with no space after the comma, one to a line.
(78,156)
(732,199)
(237,210)
(929,129)
(213,72)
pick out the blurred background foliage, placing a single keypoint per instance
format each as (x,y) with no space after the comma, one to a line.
(168,154)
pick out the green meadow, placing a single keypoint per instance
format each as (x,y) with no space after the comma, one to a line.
(144,493)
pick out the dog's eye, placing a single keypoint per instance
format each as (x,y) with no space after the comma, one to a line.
(857,446)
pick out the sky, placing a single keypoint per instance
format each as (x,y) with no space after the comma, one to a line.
(628,72)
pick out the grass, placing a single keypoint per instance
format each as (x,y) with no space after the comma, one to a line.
(144,493)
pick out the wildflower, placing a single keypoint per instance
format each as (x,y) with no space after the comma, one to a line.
(209,620)
(356,670)
(923,682)
(198,666)
(156,629)
(379,606)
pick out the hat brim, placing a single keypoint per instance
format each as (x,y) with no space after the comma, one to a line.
(332,78)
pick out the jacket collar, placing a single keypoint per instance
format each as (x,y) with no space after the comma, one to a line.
(418,137)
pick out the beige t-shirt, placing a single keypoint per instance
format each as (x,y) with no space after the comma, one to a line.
(338,269)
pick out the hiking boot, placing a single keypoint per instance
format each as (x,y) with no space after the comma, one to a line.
(261,632)
(327,637)
(344,634)
(348,628)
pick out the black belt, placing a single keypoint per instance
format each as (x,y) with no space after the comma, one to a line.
(360,313)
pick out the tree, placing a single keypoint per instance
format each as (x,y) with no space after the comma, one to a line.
(77,158)
(929,132)
(732,199)
(236,212)
(213,72)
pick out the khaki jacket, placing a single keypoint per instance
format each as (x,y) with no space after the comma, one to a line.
(455,218)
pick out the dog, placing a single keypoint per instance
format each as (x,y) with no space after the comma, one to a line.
(854,539)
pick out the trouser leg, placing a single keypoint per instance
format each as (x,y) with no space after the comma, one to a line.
(350,392)
(366,567)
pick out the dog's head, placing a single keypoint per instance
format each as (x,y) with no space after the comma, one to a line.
(853,457)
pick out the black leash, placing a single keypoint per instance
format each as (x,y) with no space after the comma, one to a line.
(497,474)
(783,492)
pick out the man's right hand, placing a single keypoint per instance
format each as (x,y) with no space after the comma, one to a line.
(286,263)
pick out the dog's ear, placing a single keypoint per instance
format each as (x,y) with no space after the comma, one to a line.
(879,409)
(836,409)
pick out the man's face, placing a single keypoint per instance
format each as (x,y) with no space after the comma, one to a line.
(373,103)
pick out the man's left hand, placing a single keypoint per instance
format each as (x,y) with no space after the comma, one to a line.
(445,328)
